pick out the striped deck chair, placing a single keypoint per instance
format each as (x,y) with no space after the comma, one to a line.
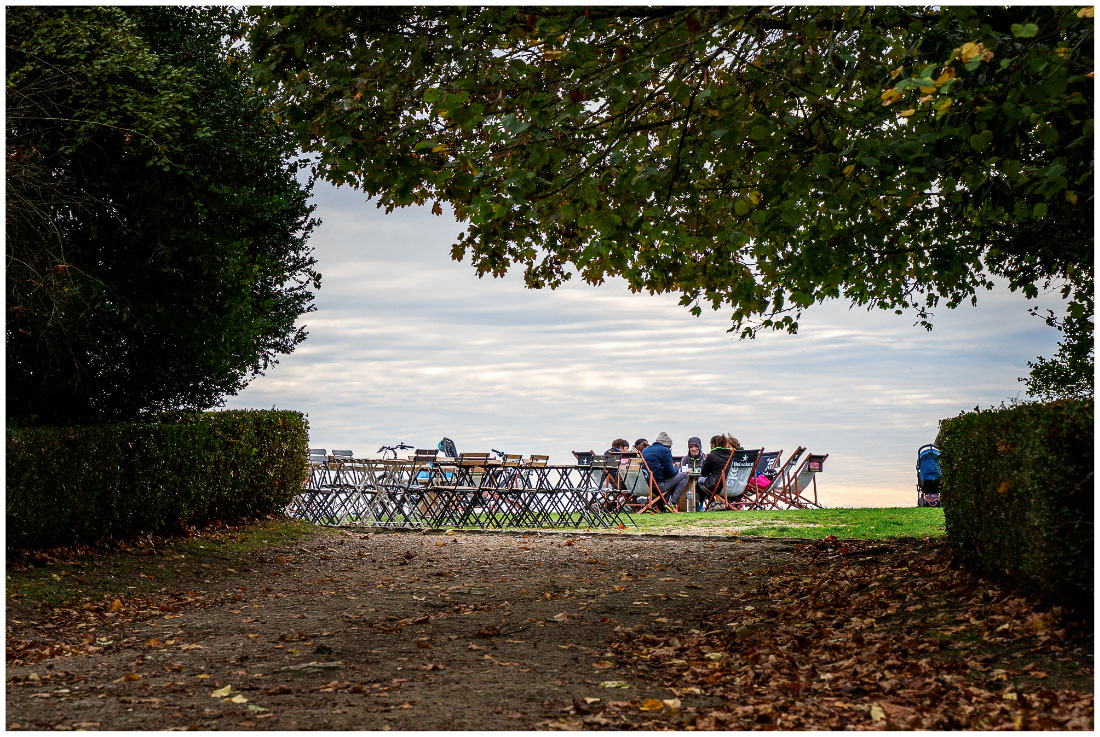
(773,496)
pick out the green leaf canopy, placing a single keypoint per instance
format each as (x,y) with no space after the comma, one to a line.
(760,159)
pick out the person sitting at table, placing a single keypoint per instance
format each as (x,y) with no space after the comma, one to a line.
(659,459)
(618,445)
(693,461)
(713,465)
(640,445)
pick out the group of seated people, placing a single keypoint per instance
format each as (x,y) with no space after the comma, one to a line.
(672,477)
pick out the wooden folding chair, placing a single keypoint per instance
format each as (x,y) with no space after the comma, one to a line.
(773,496)
(535,467)
(584,457)
(633,485)
(804,482)
(655,494)
(740,467)
(768,462)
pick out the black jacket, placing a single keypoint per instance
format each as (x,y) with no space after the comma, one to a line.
(713,466)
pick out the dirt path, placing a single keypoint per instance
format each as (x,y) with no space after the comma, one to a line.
(482,631)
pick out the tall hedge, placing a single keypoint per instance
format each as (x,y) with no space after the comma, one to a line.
(84,484)
(1018,496)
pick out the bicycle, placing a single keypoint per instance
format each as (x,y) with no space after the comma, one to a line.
(393,449)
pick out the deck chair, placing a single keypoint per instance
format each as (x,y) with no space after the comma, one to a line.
(766,466)
(655,495)
(801,492)
(773,496)
(584,457)
(768,463)
(740,467)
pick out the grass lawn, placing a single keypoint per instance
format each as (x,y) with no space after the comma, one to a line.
(74,580)
(864,523)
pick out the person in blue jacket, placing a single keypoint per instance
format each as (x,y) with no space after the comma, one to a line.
(659,459)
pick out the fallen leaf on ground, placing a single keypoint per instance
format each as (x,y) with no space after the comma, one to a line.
(221,693)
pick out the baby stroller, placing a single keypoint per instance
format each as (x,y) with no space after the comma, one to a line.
(447,448)
(928,476)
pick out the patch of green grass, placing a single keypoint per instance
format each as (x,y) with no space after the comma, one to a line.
(869,524)
(248,540)
(70,582)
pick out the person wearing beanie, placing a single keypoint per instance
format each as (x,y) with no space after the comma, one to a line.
(658,457)
(693,461)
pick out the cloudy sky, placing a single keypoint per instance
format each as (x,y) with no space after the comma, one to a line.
(409,346)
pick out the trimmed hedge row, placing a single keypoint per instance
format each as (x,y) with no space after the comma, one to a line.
(1018,496)
(84,484)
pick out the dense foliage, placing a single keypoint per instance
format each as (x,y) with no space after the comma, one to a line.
(1018,495)
(156,228)
(758,158)
(1069,373)
(84,484)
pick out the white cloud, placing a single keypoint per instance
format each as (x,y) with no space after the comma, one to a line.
(407,345)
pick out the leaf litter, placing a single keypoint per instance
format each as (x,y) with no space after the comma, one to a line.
(749,634)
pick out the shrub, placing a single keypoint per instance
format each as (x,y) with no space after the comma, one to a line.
(83,484)
(1018,496)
